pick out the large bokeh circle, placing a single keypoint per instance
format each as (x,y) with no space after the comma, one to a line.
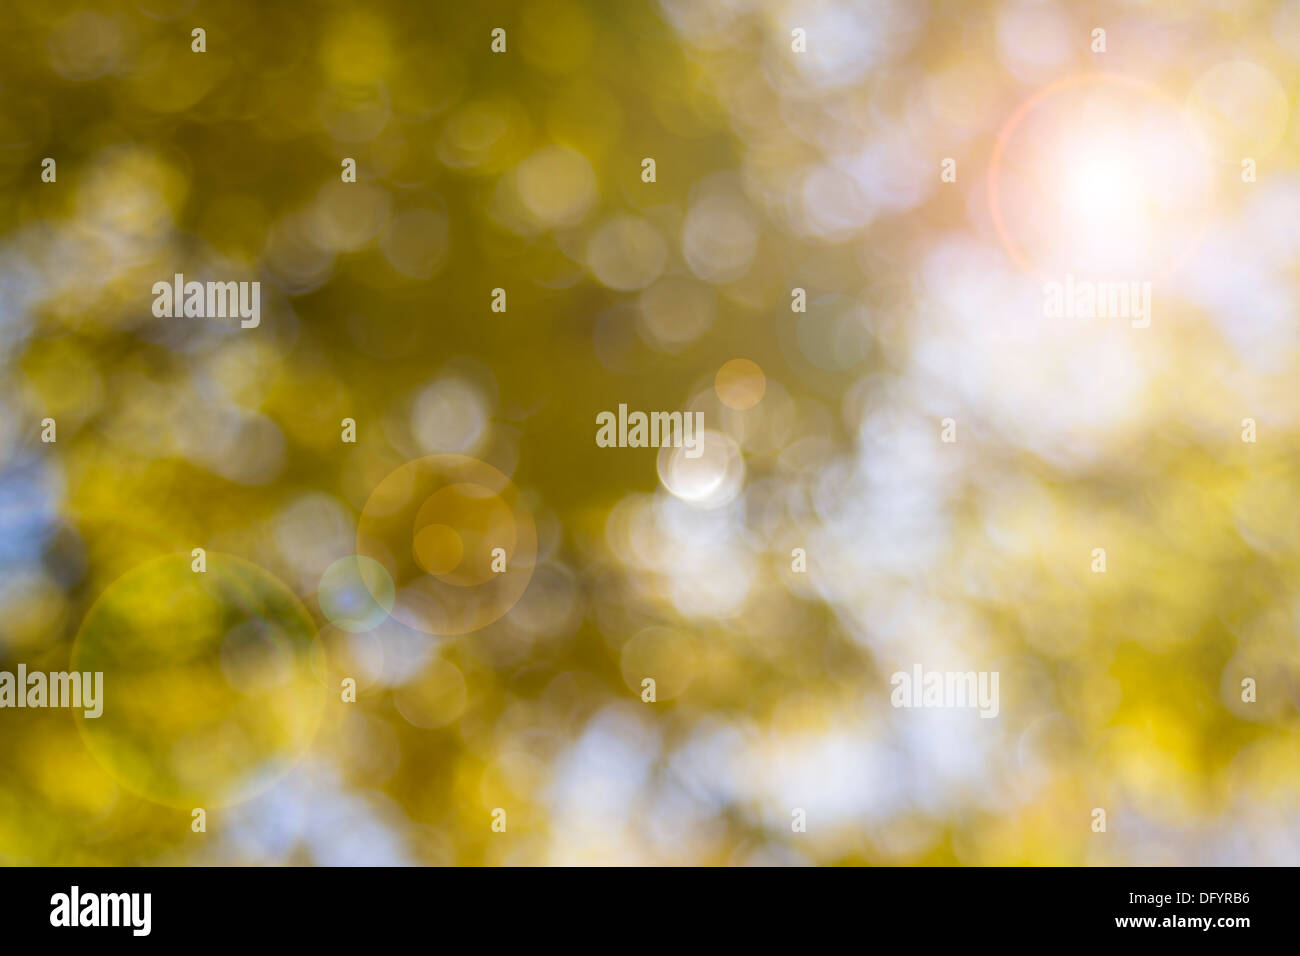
(211,687)
(1102,175)
(444,527)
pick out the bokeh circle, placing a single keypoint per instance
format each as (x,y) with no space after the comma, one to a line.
(1100,174)
(740,384)
(452,535)
(356,593)
(211,687)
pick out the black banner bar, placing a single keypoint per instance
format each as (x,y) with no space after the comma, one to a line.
(318,906)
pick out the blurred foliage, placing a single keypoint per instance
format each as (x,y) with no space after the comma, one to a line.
(522,171)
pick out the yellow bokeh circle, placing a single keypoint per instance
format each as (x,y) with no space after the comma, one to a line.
(211,680)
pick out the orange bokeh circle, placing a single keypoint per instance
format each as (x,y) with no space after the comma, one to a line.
(452,533)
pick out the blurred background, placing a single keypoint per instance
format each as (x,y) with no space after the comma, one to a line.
(775,170)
